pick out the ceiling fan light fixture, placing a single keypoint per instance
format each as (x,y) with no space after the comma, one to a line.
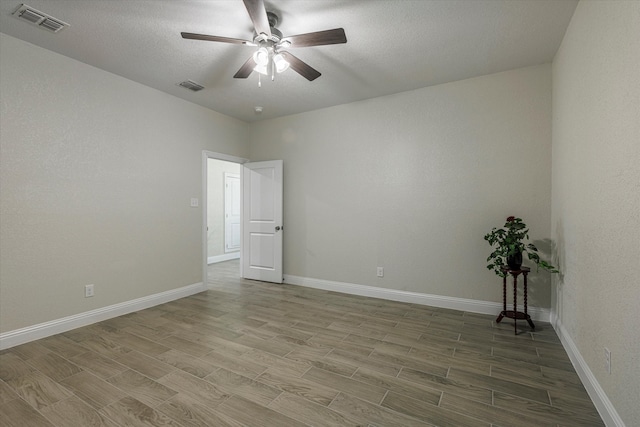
(262,69)
(280,63)
(261,56)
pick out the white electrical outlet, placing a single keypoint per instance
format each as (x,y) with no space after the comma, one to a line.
(380,271)
(88,291)
(607,360)
(194,202)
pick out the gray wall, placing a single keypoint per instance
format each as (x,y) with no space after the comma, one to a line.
(97,175)
(596,193)
(412,182)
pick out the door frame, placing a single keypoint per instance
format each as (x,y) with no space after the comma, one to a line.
(206,155)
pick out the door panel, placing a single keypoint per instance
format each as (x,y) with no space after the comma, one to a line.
(262,255)
(263,182)
(231,212)
(262,221)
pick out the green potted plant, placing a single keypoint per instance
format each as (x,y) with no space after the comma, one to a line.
(508,244)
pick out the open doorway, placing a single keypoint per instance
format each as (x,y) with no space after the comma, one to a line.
(222,204)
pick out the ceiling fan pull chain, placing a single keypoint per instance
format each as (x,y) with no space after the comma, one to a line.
(259,82)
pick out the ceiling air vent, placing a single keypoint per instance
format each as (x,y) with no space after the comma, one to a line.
(41,19)
(191,85)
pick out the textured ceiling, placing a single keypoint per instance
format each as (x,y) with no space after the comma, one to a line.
(393,45)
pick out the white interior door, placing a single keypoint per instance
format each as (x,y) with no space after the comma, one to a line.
(262,221)
(231,212)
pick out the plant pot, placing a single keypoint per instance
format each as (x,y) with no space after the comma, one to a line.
(514,262)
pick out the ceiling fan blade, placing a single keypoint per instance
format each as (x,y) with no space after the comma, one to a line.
(246,69)
(258,15)
(205,37)
(301,67)
(319,38)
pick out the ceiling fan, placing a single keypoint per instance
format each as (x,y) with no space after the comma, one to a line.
(270,57)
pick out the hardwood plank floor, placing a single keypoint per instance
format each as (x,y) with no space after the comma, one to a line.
(249,353)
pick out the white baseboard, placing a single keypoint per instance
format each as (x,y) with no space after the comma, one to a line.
(42,330)
(221,258)
(596,393)
(463,304)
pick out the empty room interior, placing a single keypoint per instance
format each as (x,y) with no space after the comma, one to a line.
(248,213)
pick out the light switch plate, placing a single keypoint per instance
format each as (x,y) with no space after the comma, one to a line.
(194,202)
(88,291)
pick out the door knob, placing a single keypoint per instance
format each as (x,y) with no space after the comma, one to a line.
(277,228)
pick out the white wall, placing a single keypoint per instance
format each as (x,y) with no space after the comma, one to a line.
(216,205)
(413,181)
(97,174)
(596,193)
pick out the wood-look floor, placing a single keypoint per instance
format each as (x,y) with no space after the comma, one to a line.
(256,354)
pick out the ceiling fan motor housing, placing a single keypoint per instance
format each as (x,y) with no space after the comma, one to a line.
(273,19)
(276,34)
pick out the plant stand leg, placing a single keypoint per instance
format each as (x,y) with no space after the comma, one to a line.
(526,315)
(515,304)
